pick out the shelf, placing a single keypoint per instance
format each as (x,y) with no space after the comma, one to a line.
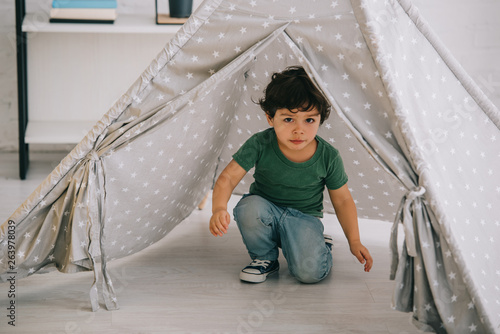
(125,23)
(100,48)
(57,132)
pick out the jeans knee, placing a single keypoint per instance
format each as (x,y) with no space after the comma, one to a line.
(309,277)
(250,209)
(311,271)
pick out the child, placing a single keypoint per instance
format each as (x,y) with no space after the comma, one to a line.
(292,167)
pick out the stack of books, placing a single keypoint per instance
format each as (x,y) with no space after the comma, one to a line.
(83,11)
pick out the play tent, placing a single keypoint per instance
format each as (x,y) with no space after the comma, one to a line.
(417,136)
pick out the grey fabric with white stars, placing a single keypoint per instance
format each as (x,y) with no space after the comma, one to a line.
(417,137)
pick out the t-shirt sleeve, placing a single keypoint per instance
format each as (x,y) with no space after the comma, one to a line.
(248,154)
(337,177)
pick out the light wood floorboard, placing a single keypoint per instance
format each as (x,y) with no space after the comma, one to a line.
(188,283)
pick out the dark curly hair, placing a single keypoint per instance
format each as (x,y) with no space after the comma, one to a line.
(293,89)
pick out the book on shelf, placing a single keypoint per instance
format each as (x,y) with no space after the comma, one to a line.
(84,3)
(83,11)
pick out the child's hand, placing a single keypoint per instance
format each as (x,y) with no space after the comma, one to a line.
(362,254)
(219,222)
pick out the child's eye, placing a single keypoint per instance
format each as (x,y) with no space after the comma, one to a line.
(288,120)
(310,120)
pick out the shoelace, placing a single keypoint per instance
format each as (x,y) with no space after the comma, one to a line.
(262,263)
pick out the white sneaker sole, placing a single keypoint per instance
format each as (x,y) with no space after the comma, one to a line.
(255,278)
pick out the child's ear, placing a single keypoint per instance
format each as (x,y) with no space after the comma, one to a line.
(270,120)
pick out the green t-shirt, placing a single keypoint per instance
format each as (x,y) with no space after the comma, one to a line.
(287,183)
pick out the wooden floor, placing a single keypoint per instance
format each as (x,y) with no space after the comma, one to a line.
(188,283)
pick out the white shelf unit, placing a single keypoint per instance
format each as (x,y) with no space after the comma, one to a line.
(124,24)
(57,132)
(76,71)
(70,74)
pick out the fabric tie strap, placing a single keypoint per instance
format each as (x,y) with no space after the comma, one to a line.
(405,217)
(92,156)
(96,249)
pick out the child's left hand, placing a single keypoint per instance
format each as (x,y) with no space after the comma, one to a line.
(362,254)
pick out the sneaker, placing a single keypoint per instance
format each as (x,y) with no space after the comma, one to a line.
(257,271)
(328,241)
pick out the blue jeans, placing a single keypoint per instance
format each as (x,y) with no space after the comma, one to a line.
(265,226)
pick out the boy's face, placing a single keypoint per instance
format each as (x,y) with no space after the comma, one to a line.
(296,132)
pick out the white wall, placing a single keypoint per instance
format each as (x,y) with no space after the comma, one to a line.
(8,82)
(470,29)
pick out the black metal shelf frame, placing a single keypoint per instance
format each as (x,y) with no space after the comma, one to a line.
(22,87)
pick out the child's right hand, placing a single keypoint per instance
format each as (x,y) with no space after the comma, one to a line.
(219,222)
